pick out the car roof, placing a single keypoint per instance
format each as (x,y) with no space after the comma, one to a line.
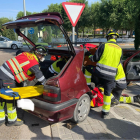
(31,20)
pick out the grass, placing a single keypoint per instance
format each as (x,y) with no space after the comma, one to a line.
(44,44)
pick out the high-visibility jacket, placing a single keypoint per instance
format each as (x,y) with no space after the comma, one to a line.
(54,68)
(120,76)
(109,60)
(20,64)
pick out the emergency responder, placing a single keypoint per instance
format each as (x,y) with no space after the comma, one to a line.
(107,56)
(120,85)
(56,67)
(15,70)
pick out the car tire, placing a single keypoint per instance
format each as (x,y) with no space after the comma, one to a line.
(82,109)
(14,47)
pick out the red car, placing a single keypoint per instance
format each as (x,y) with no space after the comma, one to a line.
(65,95)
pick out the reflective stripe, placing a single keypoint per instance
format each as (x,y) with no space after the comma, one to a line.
(17,64)
(124,99)
(1,110)
(132,99)
(13,66)
(95,96)
(105,66)
(1,119)
(41,79)
(12,120)
(15,70)
(107,103)
(121,79)
(53,69)
(87,76)
(6,65)
(105,110)
(7,73)
(121,82)
(13,111)
(20,69)
(106,72)
(50,70)
(25,63)
(88,83)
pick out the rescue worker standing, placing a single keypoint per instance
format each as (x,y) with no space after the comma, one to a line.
(107,56)
(15,70)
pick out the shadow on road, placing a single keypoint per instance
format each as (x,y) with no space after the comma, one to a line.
(39,127)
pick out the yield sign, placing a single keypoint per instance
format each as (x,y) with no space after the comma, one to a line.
(73,11)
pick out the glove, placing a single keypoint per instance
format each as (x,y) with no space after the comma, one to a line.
(90,58)
(87,53)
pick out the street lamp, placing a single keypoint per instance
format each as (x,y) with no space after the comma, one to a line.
(24,15)
(24,7)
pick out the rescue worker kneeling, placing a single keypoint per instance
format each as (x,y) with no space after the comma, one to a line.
(15,70)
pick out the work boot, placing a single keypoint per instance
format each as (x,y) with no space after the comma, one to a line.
(114,102)
(137,99)
(2,123)
(104,115)
(17,123)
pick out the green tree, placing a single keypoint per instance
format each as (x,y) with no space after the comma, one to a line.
(47,34)
(33,37)
(9,33)
(21,14)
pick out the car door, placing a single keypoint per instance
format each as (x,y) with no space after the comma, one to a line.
(132,67)
(2,43)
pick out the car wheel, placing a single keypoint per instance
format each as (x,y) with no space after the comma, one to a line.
(82,109)
(14,46)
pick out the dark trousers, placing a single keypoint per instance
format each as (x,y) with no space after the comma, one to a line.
(107,84)
(117,91)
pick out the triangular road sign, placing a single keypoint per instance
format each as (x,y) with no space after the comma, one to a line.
(73,11)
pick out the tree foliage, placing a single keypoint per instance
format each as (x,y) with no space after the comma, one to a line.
(9,33)
(106,14)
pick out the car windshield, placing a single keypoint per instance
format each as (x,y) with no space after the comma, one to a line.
(7,38)
(45,35)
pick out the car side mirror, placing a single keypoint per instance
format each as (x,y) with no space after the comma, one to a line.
(5,40)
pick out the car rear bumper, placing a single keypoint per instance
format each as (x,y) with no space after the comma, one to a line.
(54,112)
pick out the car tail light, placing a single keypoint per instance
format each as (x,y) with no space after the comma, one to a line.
(49,93)
(52,91)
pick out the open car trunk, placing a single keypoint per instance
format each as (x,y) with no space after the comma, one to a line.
(45,29)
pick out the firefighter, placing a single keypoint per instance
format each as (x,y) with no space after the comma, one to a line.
(56,67)
(15,71)
(108,57)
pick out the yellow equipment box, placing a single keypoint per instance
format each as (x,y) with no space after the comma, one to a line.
(25,92)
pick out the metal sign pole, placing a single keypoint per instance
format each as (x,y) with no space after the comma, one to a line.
(73,34)
(24,7)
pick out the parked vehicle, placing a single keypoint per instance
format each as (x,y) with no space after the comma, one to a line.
(65,95)
(7,43)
